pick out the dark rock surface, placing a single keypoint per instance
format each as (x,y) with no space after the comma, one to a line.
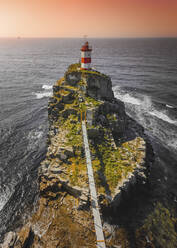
(99,87)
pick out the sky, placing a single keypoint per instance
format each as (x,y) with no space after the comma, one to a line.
(95,18)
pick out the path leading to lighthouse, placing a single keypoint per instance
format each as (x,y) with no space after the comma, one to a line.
(93,194)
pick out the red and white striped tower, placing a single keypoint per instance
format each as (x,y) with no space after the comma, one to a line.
(86,56)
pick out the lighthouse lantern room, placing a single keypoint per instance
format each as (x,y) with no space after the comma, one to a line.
(86,56)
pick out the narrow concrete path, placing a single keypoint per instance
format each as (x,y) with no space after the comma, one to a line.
(93,194)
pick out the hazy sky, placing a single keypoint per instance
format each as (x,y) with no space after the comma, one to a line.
(96,18)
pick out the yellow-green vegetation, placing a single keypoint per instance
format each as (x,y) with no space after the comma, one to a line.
(70,87)
(58,98)
(111,117)
(77,66)
(85,72)
(159,229)
(82,107)
(74,135)
(76,167)
(91,102)
(112,165)
(115,162)
(60,81)
(74,67)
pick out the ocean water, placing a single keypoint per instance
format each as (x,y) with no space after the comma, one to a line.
(144,77)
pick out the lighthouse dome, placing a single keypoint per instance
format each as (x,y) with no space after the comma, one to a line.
(86,47)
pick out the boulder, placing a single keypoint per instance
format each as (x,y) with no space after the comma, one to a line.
(73,78)
(116,108)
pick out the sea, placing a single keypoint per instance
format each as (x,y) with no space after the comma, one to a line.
(144,77)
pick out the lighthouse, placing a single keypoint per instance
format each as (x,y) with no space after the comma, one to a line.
(86,56)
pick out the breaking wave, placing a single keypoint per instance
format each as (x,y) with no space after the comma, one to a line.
(163,117)
(47,92)
(47,87)
(154,118)
(40,95)
(128,99)
(145,104)
(169,106)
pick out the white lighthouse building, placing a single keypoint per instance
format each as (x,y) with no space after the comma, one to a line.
(86,56)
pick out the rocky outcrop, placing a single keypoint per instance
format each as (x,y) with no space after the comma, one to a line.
(99,87)
(63,216)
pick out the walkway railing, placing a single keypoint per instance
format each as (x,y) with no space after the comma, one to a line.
(93,194)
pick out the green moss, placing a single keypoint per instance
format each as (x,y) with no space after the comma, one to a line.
(159,227)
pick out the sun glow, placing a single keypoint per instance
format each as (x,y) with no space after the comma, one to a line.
(97,18)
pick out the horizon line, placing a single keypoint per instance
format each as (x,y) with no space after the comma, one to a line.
(78,37)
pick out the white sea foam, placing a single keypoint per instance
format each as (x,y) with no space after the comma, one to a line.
(162,116)
(169,106)
(144,105)
(126,97)
(34,138)
(46,87)
(143,110)
(40,95)
(4,197)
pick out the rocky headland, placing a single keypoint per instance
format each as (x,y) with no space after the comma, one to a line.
(121,158)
